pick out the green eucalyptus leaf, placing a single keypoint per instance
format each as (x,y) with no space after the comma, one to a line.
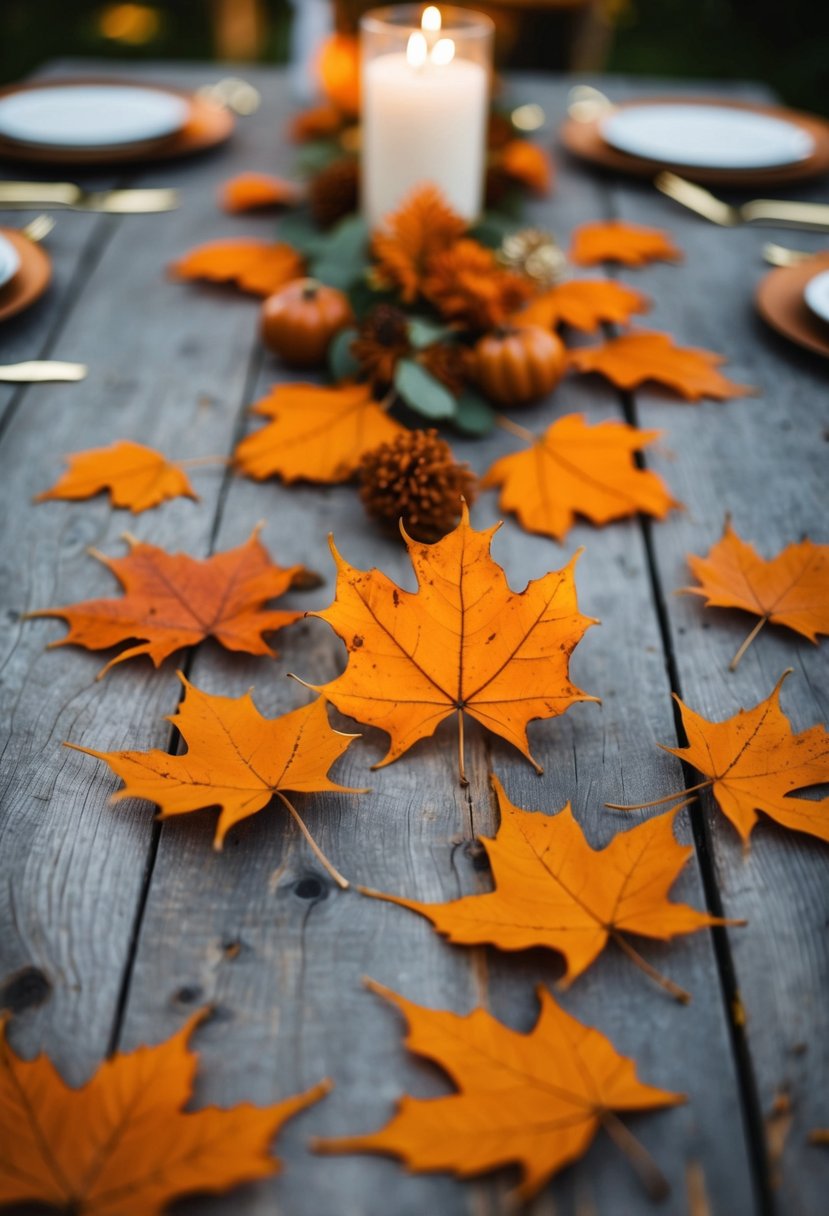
(341,362)
(422,392)
(342,254)
(423,332)
(300,232)
(473,414)
(317,155)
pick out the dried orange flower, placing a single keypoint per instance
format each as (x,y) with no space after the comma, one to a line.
(383,338)
(466,283)
(423,226)
(447,363)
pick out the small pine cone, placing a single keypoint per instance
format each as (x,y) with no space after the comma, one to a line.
(335,192)
(382,339)
(415,478)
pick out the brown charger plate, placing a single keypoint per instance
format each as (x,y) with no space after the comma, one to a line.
(207,126)
(781,305)
(584,139)
(32,278)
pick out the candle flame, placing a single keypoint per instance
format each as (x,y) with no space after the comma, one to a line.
(431,20)
(416,50)
(443,51)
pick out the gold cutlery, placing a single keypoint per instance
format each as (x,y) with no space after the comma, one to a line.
(780,255)
(586,104)
(37,371)
(775,212)
(39,228)
(66,194)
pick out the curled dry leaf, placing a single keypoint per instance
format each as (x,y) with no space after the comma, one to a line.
(136,476)
(236,759)
(315,434)
(634,358)
(260,267)
(463,643)
(755,762)
(536,1100)
(618,241)
(584,304)
(172,600)
(250,191)
(123,1145)
(527,163)
(575,468)
(790,589)
(553,890)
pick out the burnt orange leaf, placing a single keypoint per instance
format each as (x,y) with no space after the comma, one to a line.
(634,358)
(535,1100)
(584,304)
(260,267)
(236,759)
(318,122)
(173,600)
(136,476)
(526,163)
(249,191)
(754,762)
(790,589)
(575,469)
(553,890)
(463,643)
(424,225)
(123,1145)
(618,241)
(315,434)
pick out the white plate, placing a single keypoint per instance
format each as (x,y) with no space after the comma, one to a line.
(710,137)
(90,115)
(816,295)
(9,261)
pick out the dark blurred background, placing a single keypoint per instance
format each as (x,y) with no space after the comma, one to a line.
(785,44)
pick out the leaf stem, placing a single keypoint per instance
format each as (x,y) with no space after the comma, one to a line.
(732,666)
(317,851)
(653,1180)
(679,994)
(681,794)
(461,769)
(514,428)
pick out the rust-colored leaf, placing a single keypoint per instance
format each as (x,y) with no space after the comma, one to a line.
(423,226)
(584,304)
(790,589)
(535,1100)
(315,434)
(575,469)
(123,1144)
(137,477)
(463,643)
(527,163)
(173,600)
(634,358)
(250,191)
(260,267)
(618,241)
(553,890)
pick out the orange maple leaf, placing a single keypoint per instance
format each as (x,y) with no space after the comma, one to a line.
(136,476)
(463,643)
(790,589)
(584,304)
(618,241)
(173,600)
(123,1145)
(318,122)
(575,468)
(466,283)
(535,1099)
(526,163)
(315,434)
(260,267)
(754,762)
(552,889)
(424,225)
(249,191)
(634,358)
(236,759)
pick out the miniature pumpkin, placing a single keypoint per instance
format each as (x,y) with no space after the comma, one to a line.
(299,321)
(339,72)
(514,365)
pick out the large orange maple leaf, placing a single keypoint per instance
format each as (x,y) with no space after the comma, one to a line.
(123,1145)
(575,468)
(583,304)
(552,889)
(236,759)
(136,476)
(536,1100)
(173,600)
(755,762)
(260,267)
(618,241)
(634,358)
(463,643)
(423,225)
(790,589)
(315,434)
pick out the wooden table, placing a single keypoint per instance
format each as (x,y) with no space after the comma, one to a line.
(114,928)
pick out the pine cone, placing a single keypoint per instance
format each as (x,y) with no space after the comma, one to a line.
(335,192)
(415,478)
(382,339)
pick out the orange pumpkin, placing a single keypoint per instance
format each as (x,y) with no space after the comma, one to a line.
(339,72)
(299,321)
(514,365)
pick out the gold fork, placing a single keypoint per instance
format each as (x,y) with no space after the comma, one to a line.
(775,212)
(17,195)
